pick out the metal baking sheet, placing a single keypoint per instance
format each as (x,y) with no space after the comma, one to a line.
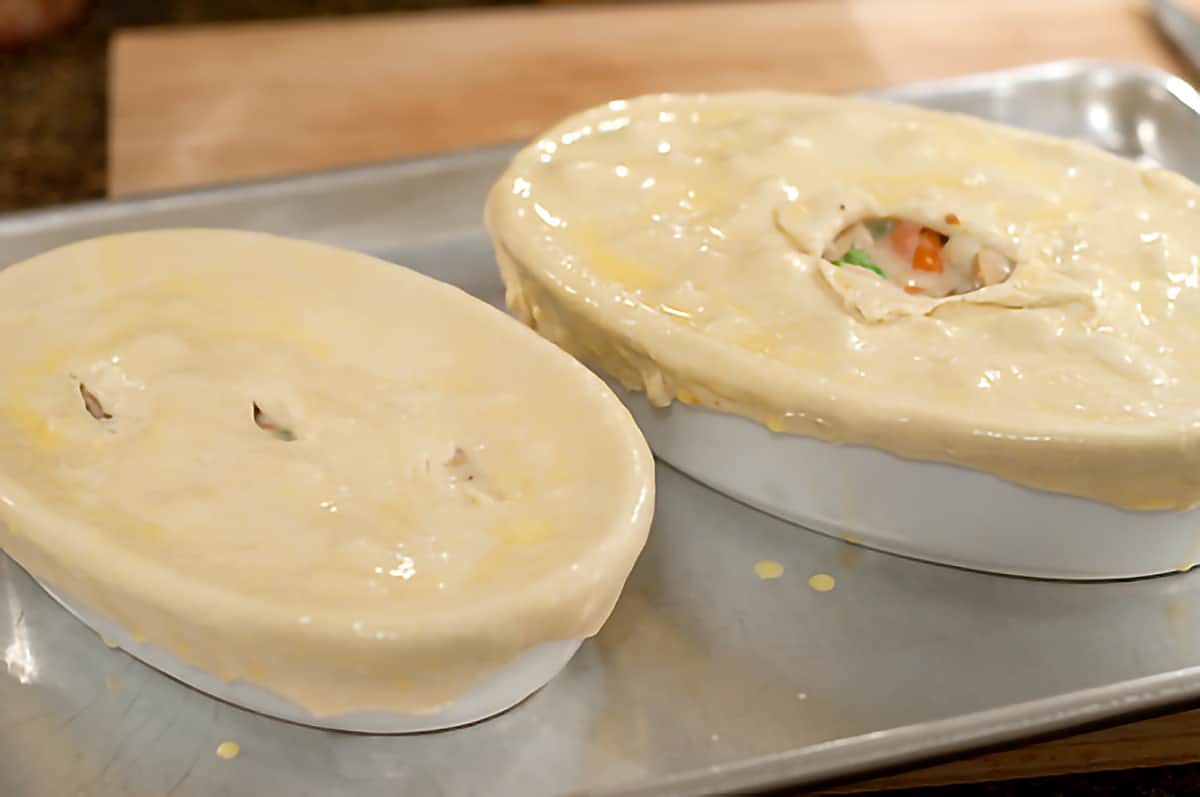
(706,679)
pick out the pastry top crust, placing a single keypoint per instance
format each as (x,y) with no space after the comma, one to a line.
(676,242)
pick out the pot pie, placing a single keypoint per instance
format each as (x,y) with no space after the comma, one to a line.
(929,284)
(305,468)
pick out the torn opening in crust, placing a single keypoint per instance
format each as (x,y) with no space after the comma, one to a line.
(919,259)
(815,224)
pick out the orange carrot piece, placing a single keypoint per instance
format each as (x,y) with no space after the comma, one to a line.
(928,254)
(913,288)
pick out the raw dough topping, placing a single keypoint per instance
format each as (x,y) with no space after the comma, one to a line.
(926,283)
(306,468)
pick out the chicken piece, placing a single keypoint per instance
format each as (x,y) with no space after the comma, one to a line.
(989,267)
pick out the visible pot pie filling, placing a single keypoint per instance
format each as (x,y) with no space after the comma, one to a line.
(917,259)
(933,285)
(370,492)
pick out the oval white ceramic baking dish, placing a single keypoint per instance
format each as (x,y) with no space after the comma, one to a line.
(1038,418)
(927,510)
(526,674)
(381,510)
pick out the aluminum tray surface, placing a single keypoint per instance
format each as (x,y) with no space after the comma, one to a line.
(706,679)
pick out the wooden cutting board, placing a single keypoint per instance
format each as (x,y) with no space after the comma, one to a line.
(201,105)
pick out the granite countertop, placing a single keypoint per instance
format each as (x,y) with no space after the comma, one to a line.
(53,150)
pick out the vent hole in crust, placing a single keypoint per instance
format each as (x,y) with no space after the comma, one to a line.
(919,259)
(464,474)
(271,426)
(93,405)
